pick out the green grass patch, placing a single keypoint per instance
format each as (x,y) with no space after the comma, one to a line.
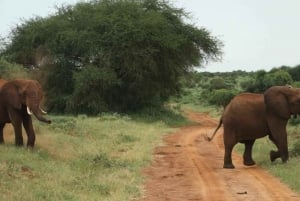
(84,158)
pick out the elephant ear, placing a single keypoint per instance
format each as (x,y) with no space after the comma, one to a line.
(13,93)
(276,102)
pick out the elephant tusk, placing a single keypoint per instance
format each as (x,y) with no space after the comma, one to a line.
(28,111)
(44,112)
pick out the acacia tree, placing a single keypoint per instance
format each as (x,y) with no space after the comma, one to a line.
(111,54)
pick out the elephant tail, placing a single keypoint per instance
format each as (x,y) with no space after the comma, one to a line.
(213,135)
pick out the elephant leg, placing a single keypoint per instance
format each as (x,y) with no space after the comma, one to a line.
(248,153)
(1,133)
(279,136)
(27,123)
(227,157)
(229,144)
(274,154)
(16,120)
(18,134)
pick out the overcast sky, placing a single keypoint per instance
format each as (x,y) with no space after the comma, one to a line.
(257,34)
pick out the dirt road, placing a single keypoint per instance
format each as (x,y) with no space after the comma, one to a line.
(188,168)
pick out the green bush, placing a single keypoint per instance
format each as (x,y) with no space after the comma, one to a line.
(11,71)
(296,84)
(217,83)
(294,121)
(295,150)
(279,77)
(92,90)
(222,97)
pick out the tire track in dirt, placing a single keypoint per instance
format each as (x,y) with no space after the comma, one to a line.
(188,167)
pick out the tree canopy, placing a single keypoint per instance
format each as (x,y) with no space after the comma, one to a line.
(111,54)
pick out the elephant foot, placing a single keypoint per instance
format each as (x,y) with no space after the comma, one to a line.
(30,145)
(249,163)
(274,155)
(19,142)
(284,159)
(228,166)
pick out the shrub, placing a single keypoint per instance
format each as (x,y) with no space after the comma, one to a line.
(11,71)
(221,97)
(92,90)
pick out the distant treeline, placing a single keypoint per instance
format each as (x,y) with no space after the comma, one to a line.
(218,88)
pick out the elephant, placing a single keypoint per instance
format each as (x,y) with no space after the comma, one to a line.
(250,116)
(19,99)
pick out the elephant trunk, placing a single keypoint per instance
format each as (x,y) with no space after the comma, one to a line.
(38,113)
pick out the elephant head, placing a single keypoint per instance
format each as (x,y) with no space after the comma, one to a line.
(282,101)
(28,94)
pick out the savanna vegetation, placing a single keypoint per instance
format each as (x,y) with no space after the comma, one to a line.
(117,76)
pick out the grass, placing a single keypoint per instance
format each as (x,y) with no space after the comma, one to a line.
(83,158)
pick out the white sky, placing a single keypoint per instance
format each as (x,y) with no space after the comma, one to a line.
(257,34)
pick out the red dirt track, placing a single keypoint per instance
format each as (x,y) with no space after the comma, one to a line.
(189,168)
